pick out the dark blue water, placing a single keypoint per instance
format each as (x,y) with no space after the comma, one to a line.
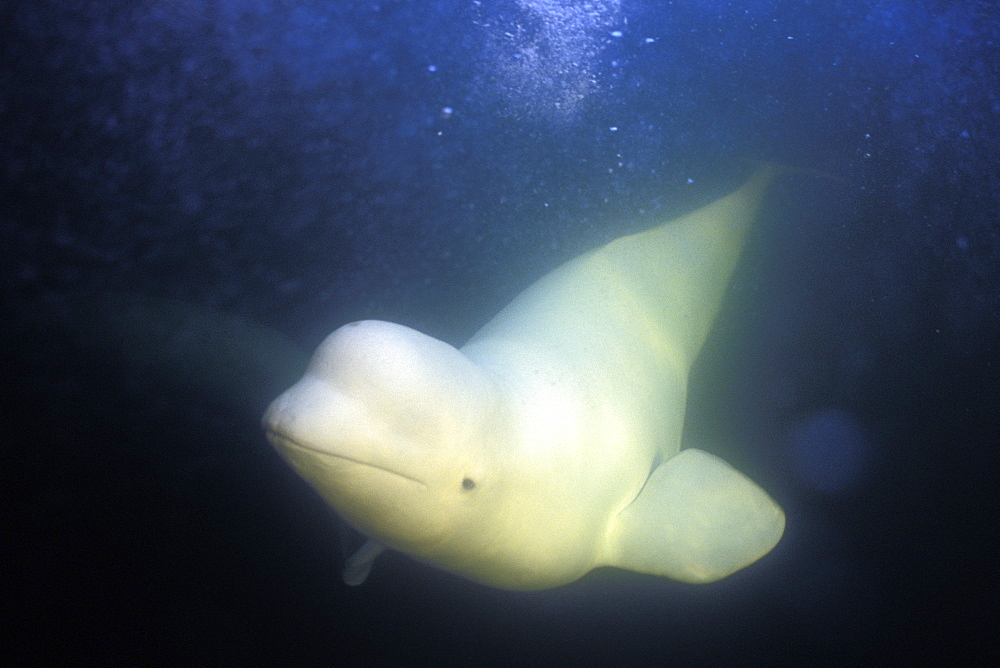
(300,165)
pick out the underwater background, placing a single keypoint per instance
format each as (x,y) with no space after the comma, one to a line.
(195,192)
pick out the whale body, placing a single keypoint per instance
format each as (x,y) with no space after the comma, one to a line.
(550,443)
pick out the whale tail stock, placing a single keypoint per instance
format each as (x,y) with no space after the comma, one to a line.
(691,259)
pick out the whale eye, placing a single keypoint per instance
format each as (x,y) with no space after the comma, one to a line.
(468,483)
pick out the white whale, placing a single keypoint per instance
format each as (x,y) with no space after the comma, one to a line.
(550,443)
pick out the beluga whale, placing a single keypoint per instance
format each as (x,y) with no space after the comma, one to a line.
(550,443)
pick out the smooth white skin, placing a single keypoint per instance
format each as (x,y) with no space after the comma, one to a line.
(510,460)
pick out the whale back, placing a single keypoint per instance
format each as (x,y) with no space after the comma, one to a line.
(629,318)
(662,285)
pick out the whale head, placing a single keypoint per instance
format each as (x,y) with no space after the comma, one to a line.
(388,425)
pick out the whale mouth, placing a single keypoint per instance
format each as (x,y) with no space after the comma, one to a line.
(282,441)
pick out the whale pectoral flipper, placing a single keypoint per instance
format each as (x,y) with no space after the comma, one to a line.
(697,519)
(359,564)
